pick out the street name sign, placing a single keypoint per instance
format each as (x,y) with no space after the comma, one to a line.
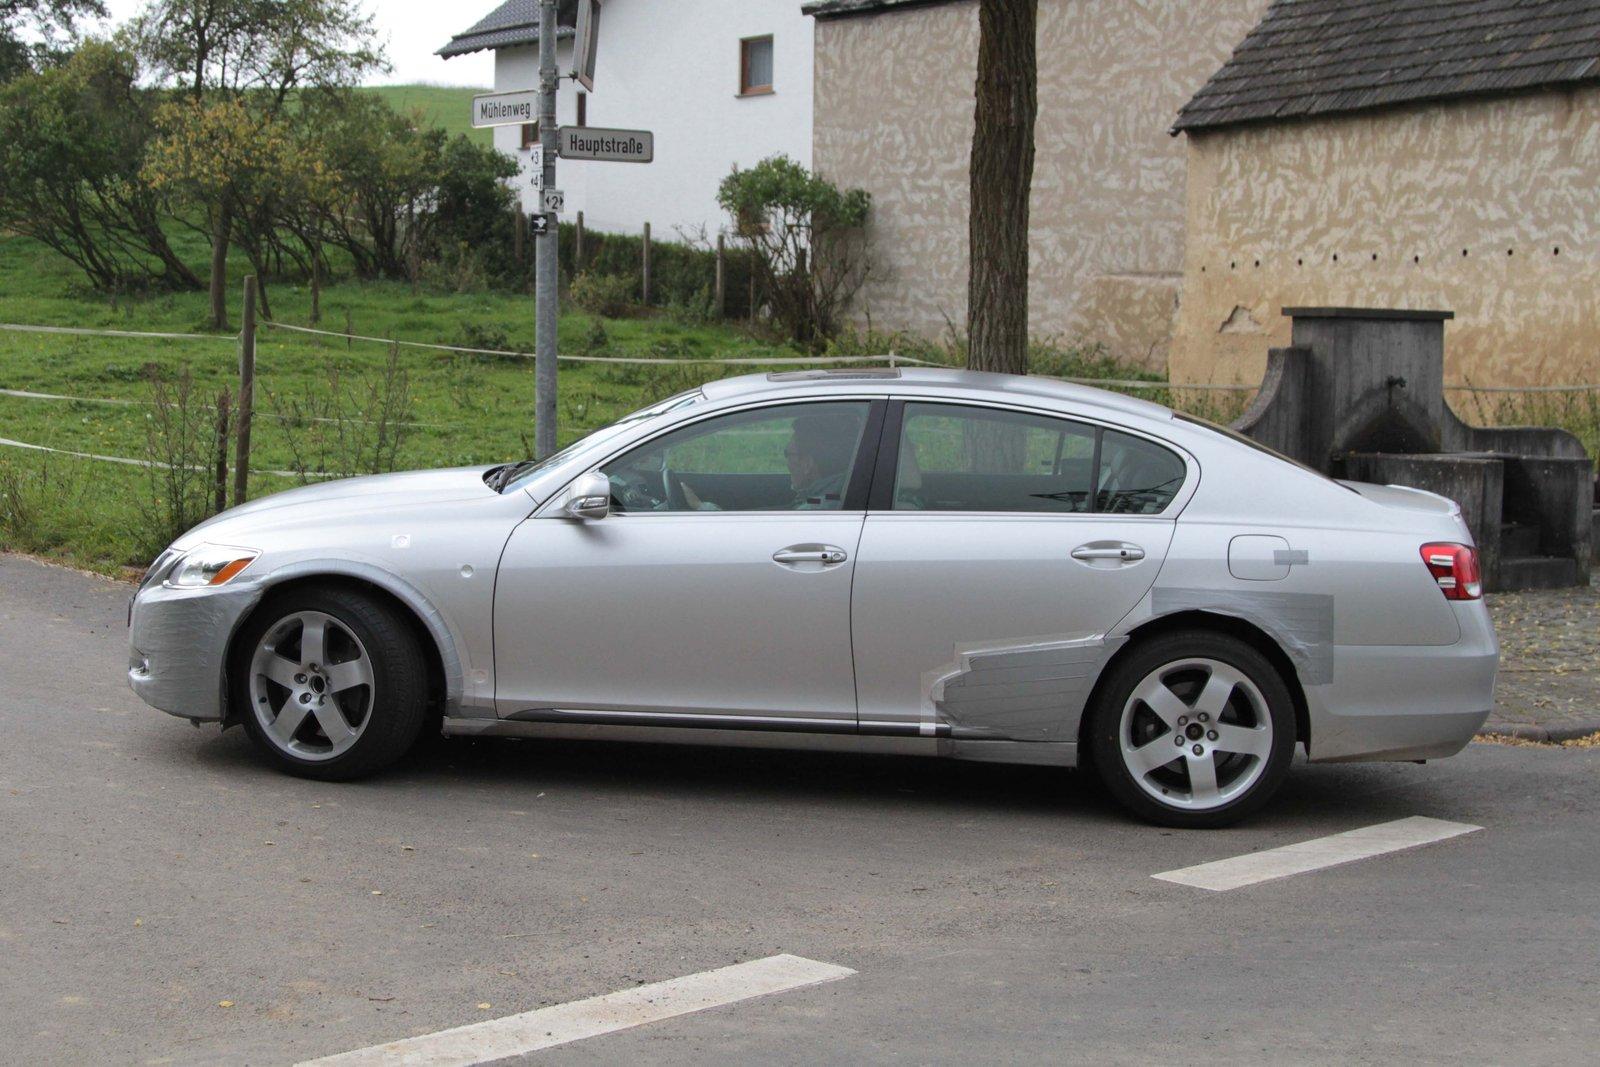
(505,109)
(609,146)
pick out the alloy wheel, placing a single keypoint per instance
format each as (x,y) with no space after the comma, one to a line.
(1195,734)
(311,686)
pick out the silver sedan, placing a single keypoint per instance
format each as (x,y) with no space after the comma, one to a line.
(905,561)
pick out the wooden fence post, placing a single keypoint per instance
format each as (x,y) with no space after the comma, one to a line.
(721,296)
(577,247)
(316,288)
(519,236)
(646,288)
(247,393)
(222,451)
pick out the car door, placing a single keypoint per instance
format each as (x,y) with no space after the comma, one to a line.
(1001,545)
(718,588)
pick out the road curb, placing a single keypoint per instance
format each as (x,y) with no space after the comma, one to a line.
(1544,735)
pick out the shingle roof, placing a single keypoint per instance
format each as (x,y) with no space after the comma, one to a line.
(824,9)
(515,22)
(1323,57)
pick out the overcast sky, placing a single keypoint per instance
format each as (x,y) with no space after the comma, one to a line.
(412,30)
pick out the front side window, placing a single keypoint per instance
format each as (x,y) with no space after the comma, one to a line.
(755,66)
(797,457)
(955,458)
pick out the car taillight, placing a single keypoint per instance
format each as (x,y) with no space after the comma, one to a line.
(1455,568)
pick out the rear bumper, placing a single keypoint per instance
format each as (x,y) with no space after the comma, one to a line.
(1407,702)
(177,643)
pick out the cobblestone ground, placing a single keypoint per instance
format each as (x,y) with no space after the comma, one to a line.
(1549,658)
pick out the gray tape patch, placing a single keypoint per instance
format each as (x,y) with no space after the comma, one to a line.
(1289,557)
(1301,623)
(1029,690)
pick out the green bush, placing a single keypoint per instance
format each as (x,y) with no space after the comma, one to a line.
(600,294)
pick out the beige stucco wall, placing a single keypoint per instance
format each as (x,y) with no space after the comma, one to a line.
(894,103)
(1397,196)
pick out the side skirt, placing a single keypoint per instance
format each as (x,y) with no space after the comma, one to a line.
(739,734)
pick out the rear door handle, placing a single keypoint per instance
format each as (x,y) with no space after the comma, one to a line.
(1121,551)
(810,554)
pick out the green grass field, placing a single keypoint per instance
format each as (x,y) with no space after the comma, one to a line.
(446,106)
(476,409)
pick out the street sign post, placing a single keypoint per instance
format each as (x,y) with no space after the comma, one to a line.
(609,146)
(505,109)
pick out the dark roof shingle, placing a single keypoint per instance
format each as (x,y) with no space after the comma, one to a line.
(1323,57)
(515,22)
(826,9)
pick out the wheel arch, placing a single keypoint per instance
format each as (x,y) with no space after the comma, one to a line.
(1216,622)
(444,662)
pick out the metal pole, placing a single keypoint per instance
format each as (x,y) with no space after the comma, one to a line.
(247,395)
(546,304)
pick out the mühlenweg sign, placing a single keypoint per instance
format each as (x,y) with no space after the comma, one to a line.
(505,109)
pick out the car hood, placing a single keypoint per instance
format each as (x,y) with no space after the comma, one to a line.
(406,491)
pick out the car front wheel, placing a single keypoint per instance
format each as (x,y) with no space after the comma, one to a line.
(1193,729)
(331,684)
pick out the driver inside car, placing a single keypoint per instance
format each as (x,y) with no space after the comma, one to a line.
(818,456)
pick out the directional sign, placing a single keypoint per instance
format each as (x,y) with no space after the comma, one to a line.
(610,146)
(538,225)
(505,109)
(536,165)
(554,201)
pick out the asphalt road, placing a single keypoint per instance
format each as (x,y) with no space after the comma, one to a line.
(150,872)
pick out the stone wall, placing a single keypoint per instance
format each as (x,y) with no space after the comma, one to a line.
(894,104)
(1488,207)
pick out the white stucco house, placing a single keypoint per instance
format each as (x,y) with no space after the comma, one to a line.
(720,83)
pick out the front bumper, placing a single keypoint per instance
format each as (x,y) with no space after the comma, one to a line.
(1409,702)
(178,644)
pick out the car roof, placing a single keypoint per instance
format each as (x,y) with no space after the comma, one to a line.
(942,381)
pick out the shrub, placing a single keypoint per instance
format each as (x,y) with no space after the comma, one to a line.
(808,240)
(605,295)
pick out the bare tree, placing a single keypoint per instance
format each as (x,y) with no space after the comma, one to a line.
(1002,177)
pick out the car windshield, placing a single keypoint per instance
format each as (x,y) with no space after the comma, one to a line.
(528,469)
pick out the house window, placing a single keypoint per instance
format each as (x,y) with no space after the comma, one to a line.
(530,134)
(755,66)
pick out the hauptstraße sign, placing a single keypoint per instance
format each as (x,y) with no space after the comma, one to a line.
(611,146)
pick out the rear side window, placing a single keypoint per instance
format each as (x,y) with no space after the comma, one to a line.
(956,458)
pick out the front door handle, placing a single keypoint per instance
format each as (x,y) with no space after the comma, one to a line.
(810,554)
(1121,551)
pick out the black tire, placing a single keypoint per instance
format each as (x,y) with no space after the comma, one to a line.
(1106,716)
(399,699)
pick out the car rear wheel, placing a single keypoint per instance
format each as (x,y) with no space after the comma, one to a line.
(330,684)
(1193,729)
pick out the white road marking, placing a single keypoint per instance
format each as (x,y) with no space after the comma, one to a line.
(516,1035)
(1318,853)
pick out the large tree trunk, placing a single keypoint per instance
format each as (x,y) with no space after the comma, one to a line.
(221,228)
(1002,176)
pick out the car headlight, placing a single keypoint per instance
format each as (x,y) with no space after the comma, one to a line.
(209,565)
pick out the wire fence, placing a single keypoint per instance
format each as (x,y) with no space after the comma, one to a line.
(891,358)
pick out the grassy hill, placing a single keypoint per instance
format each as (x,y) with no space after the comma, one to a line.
(449,106)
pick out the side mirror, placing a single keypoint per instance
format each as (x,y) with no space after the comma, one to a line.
(589,497)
